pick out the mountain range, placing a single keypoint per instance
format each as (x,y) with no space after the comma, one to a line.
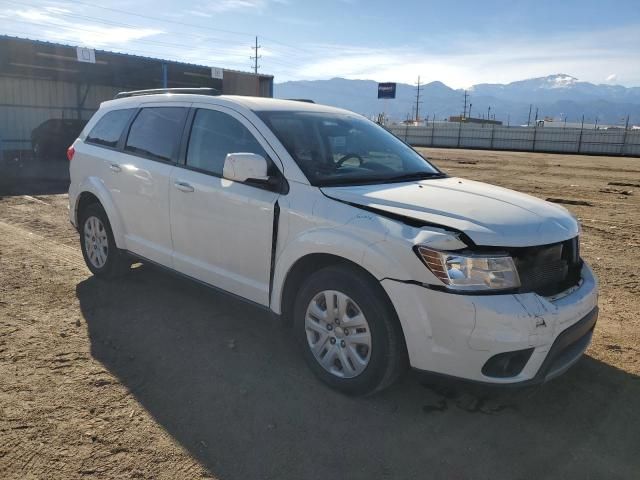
(554,96)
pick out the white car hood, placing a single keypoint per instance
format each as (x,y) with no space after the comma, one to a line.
(489,215)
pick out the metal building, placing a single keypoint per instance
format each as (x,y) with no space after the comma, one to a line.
(40,81)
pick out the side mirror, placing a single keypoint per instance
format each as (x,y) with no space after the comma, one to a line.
(241,167)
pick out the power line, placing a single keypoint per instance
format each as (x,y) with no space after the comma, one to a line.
(149,42)
(149,17)
(159,19)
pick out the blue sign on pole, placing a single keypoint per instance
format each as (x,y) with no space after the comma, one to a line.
(386,90)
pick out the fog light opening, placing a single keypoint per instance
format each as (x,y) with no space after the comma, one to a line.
(508,364)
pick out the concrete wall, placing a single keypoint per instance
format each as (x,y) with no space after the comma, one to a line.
(532,139)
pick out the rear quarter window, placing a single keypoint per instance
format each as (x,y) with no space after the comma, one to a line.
(109,128)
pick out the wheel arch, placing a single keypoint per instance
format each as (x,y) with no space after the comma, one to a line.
(94,191)
(312,262)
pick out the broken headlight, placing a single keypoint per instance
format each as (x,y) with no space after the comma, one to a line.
(471,272)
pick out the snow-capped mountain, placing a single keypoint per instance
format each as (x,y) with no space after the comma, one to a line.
(558,96)
(555,88)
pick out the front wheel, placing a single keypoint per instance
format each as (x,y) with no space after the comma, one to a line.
(348,331)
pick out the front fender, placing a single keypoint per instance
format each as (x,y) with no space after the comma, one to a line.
(343,243)
(96,187)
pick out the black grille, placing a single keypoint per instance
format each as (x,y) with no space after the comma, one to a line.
(549,269)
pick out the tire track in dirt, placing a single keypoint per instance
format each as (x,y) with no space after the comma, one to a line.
(44,247)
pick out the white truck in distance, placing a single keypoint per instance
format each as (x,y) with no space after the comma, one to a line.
(378,259)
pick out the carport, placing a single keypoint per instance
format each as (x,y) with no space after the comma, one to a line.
(41,81)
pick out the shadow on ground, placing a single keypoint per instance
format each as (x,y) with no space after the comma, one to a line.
(24,175)
(227,382)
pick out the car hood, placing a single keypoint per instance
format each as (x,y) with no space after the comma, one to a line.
(489,215)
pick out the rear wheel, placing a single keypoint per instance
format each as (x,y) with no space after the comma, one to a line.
(99,249)
(348,331)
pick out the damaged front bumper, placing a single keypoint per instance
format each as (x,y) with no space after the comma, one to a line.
(509,338)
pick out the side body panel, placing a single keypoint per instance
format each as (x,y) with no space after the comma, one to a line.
(140,191)
(222,233)
(223,230)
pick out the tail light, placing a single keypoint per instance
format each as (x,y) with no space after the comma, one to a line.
(71,152)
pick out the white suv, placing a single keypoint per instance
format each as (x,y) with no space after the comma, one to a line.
(377,258)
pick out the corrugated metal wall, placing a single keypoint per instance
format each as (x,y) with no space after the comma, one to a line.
(241,83)
(533,139)
(26,103)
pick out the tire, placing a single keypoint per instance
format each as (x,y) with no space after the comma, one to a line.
(386,355)
(102,256)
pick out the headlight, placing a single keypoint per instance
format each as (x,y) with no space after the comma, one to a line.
(471,272)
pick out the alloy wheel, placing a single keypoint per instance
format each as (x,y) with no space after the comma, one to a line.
(96,242)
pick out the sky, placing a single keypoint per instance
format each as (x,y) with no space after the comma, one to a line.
(460,43)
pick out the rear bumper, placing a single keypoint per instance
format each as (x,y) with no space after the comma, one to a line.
(457,335)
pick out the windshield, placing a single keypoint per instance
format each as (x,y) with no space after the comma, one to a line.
(343,149)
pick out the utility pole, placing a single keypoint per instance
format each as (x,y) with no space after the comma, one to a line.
(470,105)
(489,113)
(536,121)
(464,111)
(418,102)
(529,118)
(256,57)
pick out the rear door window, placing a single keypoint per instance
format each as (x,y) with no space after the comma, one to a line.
(156,132)
(109,128)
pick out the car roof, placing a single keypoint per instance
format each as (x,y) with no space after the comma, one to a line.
(256,104)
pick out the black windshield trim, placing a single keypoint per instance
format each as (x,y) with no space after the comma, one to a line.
(352,182)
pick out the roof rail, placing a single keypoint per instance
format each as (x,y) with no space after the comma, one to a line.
(155,91)
(305,100)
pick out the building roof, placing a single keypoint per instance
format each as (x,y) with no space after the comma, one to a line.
(24,58)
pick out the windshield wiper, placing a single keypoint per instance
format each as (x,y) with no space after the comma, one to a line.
(415,176)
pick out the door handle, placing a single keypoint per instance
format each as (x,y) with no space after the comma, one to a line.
(183,186)
(115,167)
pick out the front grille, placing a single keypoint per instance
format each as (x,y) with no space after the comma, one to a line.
(549,269)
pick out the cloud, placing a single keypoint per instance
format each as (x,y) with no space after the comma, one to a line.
(57,28)
(468,59)
(102,36)
(222,6)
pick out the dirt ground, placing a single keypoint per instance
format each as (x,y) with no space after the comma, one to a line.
(157,377)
